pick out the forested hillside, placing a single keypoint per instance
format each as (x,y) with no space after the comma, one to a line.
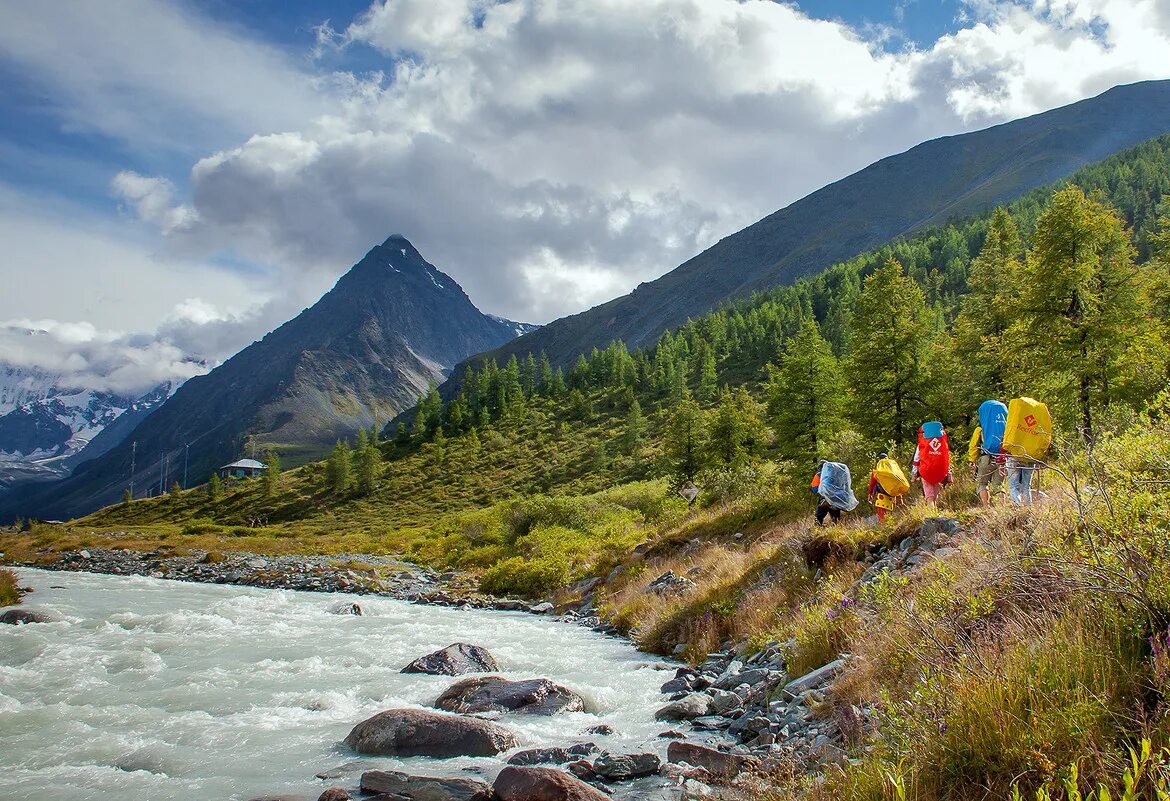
(1062,296)
(1003,652)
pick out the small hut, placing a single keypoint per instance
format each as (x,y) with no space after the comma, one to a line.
(242,468)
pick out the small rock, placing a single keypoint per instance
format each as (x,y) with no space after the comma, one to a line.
(602,729)
(20,617)
(695,705)
(334,794)
(347,609)
(496,694)
(544,608)
(454,660)
(516,783)
(719,763)
(815,678)
(424,788)
(621,767)
(417,732)
(556,756)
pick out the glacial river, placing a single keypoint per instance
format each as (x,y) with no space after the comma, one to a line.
(154,689)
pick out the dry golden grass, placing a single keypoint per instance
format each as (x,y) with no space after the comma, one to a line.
(10,593)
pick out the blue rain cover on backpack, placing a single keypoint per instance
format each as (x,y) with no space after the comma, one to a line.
(837,486)
(993,421)
(932,430)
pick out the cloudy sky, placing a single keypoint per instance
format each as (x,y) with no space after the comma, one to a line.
(176,178)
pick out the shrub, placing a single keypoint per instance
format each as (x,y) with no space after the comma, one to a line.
(528,578)
(10,594)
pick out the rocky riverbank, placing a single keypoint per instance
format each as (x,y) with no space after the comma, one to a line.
(737,713)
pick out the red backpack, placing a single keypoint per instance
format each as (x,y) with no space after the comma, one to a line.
(934,453)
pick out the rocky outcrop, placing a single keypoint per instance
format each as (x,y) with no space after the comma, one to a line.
(20,617)
(417,732)
(424,788)
(454,660)
(497,694)
(542,784)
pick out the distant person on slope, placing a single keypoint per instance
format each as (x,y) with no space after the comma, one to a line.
(932,460)
(985,450)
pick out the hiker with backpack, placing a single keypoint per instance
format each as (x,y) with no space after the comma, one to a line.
(1027,437)
(834,488)
(986,449)
(932,460)
(887,485)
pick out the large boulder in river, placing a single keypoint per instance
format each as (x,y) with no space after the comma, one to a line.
(19,617)
(718,763)
(424,788)
(454,660)
(553,755)
(516,783)
(497,694)
(417,732)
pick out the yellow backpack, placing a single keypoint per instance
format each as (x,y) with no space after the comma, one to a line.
(889,474)
(1028,433)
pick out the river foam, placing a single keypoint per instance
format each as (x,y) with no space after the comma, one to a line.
(148,688)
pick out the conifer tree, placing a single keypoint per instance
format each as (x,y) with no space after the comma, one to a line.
(127,498)
(990,306)
(338,470)
(886,368)
(736,431)
(545,374)
(401,435)
(214,488)
(368,459)
(557,386)
(175,488)
(271,477)
(635,427)
(686,443)
(1083,315)
(805,395)
(708,379)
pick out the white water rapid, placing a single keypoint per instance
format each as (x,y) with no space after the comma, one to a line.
(153,689)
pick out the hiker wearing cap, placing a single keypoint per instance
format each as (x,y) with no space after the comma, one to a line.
(932,460)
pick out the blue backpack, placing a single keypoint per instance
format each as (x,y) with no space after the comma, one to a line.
(993,421)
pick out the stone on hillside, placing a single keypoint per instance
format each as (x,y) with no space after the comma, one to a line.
(718,763)
(454,660)
(695,705)
(20,617)
(815,678)
(497,694)
(417,732)
(726,702)
(515,783)
(670,584)
(424,788)
(552,756)
(620,767)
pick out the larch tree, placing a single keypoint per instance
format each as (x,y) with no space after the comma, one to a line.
(805,394)
(887,365)
(686,440)
(1084,318)
(989,308)
(736,432)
